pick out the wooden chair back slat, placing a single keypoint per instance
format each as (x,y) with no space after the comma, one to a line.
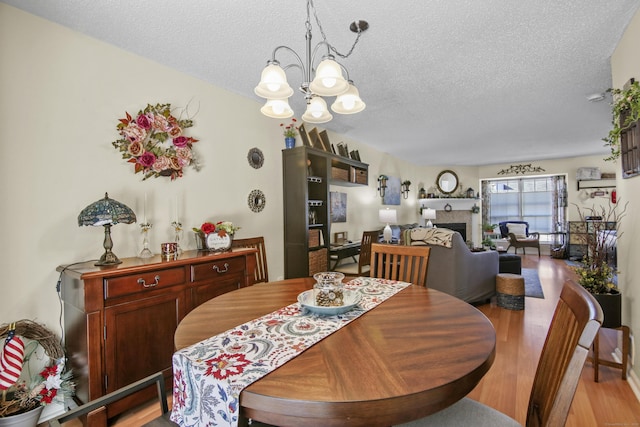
(574,325)
(400,262)
(368,237)
(261,273)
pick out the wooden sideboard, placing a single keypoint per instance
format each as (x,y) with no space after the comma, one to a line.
(119,321)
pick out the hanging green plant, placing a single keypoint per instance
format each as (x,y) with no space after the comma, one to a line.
(626,111)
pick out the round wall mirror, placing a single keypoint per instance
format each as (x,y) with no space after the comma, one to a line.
(255,158)
(447,181)
(256,200)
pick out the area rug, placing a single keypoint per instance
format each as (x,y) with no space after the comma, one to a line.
(571,263)
(532,286)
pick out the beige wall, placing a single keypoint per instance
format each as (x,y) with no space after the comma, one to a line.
(61,96)
(625,64)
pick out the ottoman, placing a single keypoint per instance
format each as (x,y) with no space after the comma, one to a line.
(510,291)
(508,263)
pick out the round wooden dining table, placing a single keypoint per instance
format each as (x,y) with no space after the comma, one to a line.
(414,354)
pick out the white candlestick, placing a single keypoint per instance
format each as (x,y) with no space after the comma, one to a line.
(145,208)
(175,210)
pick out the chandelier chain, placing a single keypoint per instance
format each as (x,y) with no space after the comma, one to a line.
(324,36)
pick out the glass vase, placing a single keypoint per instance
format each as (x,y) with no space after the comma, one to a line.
(145,252)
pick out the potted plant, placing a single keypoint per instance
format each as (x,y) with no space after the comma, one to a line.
(215,237)
(290,132)
(626,111)
(488,228)
(32,372)
(596,273)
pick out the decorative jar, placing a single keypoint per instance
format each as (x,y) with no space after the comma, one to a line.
(290,142)
(329,289)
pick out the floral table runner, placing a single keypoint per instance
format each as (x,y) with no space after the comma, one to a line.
(209,376)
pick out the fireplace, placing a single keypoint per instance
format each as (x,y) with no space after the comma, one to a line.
(460,227)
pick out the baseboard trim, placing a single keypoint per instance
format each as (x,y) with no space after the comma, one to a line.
(634,383)
(632,378)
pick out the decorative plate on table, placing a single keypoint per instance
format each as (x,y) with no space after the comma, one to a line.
(307,300)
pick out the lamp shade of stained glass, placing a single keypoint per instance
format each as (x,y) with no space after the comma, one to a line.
(106,212)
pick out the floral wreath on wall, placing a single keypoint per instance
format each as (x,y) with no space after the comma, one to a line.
(154,142)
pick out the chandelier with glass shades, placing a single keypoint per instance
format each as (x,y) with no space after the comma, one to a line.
(328,79)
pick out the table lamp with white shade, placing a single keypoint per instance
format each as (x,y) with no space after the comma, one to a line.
(387,216)
(428,214)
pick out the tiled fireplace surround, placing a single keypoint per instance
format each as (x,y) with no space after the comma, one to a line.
(460,212)
(464,217)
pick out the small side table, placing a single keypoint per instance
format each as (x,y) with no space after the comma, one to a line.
(625,354)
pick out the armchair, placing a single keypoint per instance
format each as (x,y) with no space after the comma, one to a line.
(453,268)
(519,236)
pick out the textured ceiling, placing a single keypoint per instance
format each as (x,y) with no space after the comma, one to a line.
(446,82)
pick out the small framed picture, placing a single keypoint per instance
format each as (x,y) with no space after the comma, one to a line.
(324,138)
(304,136)
(314,137)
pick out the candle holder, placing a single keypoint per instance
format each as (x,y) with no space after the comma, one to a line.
(145,252)
(177,228)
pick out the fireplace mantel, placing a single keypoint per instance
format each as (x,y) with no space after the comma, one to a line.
(457,204)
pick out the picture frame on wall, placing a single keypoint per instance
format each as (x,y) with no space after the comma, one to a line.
(338,206)
(304,136)
(392,193)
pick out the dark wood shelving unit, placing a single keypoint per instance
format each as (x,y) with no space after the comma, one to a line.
(307,176)
(578,232)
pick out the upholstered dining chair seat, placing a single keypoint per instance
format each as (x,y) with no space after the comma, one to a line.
(466,412)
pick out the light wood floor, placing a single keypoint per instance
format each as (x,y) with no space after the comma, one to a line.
(520,336)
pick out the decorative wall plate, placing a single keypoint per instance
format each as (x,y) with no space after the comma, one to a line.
(256,200)
(256,158)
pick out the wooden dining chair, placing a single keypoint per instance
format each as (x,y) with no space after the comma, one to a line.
(364,258)
(261,274)
(100,403)
(400,262)
(574,325)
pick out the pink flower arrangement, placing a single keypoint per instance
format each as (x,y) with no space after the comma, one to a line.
(154,142)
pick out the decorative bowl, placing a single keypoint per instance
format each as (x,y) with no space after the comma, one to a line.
(307,300)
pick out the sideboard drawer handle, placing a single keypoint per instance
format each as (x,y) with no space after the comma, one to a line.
(151,285)
(216,268)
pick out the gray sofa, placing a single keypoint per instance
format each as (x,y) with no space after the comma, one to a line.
(455,270)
